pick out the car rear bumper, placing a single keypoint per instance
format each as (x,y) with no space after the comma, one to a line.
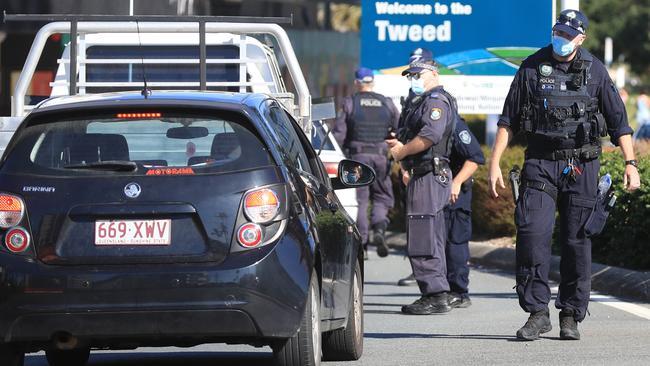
(255,295)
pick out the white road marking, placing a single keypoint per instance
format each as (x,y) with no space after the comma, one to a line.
(634,309)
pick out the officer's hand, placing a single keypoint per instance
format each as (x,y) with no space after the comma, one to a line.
(395,149)
(631,179)
(406,177)
(455,191)
(495,177)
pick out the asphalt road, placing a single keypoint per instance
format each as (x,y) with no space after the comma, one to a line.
(616,332)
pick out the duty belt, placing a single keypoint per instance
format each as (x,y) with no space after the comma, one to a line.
(424,168)
(586,153)
(367,150)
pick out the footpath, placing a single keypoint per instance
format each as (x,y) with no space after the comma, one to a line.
(500,253)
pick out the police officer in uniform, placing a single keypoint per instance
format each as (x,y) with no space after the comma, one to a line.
(360,127)
(423,148)
(564,100)
(466,155)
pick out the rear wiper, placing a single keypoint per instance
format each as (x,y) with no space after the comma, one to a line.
(114,165)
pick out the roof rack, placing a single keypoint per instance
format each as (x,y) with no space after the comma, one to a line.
(77,24)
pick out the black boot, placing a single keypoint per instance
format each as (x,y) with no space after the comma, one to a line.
(428,304)
(537,324)
(457,300)
(379,241)
(568,325)
(407,281)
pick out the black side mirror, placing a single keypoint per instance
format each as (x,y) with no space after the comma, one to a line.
(353,174)
(187,133)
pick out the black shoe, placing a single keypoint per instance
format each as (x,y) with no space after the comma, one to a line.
(380,242)
(407,281)
(537,324)
(457,300)
(428,304)
(568,325)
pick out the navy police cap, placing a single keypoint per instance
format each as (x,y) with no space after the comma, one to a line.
(573,22)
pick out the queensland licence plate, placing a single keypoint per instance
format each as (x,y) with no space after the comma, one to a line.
(133,232)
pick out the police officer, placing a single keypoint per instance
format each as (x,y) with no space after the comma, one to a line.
(423,148)
(564,100)
(360,127)
(465,157)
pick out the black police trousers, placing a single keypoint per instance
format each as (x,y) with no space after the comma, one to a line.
(458,218)
(535,220)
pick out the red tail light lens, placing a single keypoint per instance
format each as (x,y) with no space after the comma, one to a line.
(261,205)
(332,169)
(249,235)
(139,115)
(12,209)
(17,240)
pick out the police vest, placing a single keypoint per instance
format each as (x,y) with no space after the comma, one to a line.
(370,119)
(560,110)
(412,122)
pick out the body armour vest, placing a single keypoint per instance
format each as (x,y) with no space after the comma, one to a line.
(560,113)
(370,119)
(411,124)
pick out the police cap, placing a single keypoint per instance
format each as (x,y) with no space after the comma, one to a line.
(573,22)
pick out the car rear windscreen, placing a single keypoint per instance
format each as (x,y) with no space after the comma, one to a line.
(138,142)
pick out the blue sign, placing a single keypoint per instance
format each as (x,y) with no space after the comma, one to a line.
(470,37)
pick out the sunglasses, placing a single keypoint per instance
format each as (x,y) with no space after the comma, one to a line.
(575,23)
(416,76)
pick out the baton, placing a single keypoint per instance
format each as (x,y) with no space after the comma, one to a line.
(514,182)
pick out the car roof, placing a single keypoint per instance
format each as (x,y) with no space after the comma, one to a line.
(209,98)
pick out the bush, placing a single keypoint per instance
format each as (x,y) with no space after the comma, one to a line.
(495,217)
(622,243)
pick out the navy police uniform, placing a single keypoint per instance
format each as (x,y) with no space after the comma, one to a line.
(564,108)
(360,128)
(431,115)
(458,216)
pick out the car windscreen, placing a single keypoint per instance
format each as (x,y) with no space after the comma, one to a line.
(138,143)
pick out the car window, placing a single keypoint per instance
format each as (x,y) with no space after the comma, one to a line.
(159,141)
(318,137)
(289,142)
(318,170)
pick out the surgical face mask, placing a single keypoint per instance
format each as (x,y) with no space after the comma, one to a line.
(417,86)
(562,46)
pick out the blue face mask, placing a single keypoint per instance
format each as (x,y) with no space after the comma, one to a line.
(417,86)
(562,46)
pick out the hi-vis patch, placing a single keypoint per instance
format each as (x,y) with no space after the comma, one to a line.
(436,113)
(545,69)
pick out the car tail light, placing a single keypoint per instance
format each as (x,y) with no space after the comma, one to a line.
(249,235)
(332,169)
(261,205)
(12,209)
(17,240)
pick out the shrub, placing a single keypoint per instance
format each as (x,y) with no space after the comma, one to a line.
(495,217)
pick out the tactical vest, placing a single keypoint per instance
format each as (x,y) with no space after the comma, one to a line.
(370,118)
(412,122)
(559,112)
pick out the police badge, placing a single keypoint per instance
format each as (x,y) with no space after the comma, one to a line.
(436,113)
(545,69)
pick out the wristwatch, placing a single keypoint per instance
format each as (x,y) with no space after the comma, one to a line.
(634,163)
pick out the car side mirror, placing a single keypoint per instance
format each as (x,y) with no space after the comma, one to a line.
(353,174)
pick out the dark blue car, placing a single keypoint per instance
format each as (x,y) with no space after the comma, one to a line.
(181,219)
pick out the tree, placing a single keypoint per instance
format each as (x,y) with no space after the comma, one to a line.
(628,23)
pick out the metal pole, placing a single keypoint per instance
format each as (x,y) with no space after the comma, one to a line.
(570,4)
(73,58)
(202,56)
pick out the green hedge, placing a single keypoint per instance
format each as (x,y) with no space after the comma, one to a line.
(624,240)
